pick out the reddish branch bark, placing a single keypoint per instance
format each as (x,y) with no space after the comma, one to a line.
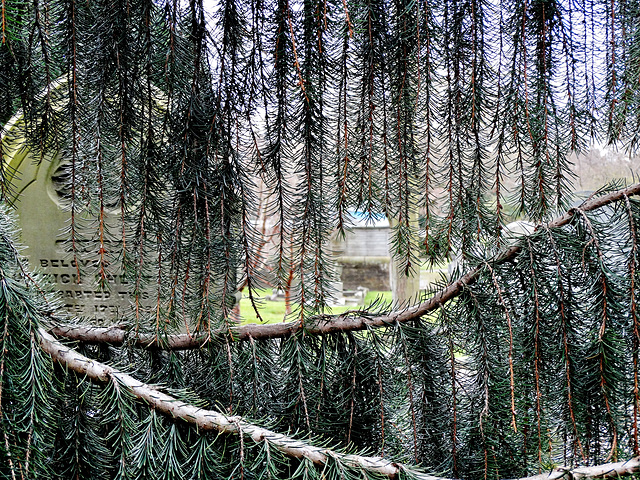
(324,324)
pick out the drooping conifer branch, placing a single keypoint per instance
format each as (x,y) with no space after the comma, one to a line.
(606,470)
(325,324)
(208,420)
(176,114)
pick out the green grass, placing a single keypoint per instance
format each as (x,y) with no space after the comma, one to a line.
(273,312)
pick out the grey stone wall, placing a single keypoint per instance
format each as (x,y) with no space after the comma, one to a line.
(365,242)
(364,258)
(369,272)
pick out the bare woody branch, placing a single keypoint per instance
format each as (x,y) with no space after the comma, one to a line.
(209,420)
(607,470)
(324,324)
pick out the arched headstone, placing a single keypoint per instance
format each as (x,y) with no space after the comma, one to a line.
(39,195)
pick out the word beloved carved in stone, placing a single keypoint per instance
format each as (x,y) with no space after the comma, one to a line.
(81,295)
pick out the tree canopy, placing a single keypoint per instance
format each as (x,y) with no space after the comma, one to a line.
(177,125)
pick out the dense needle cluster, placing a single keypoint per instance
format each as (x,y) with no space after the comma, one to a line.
(183,125)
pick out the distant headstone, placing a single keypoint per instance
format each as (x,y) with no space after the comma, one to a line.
(355,297)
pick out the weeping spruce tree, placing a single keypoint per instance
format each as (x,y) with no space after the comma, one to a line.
(182,123)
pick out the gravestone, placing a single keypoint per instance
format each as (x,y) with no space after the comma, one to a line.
(41,204)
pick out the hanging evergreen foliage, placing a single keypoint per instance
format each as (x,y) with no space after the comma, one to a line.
(181,124)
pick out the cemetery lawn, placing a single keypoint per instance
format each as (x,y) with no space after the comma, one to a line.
(273,312)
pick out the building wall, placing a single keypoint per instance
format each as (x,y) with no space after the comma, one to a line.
(364,257)
(365,242)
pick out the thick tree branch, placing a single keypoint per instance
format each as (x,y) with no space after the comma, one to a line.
(324,324)
(597,471)
(209,420)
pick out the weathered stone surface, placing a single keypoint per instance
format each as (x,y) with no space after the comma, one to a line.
(363,255)
(41,204)
(369,272)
